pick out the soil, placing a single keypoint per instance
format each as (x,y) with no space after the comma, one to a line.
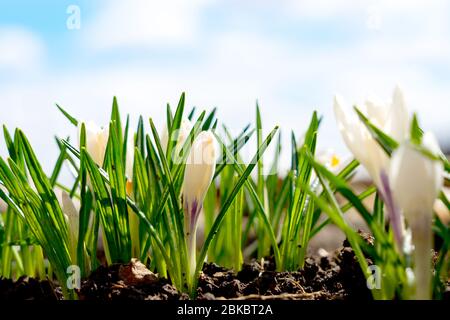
(26,288)
(331,276)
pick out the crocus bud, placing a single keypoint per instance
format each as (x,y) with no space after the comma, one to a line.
(96,141)
(393,119)
(416,181)
(198,175)
(183,134)
(71,215)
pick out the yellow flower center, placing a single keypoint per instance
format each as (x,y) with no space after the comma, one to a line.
(335,161)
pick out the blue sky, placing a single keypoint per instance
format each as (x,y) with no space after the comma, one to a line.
(291,55)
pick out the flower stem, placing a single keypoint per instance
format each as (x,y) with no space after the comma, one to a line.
(423,241)
(192,252)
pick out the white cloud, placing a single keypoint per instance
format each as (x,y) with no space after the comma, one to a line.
(141,23)
(20,49)
(322,9)
(238,67)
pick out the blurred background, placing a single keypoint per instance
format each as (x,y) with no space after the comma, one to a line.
(291,55)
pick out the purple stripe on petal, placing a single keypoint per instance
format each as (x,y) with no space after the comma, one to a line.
(394,213)
(193,209)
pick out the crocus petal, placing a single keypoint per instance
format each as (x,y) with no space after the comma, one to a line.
(200,167)
(96,141)
(358,139)
(72,217)
(71,213)
(183,133)
(376,111)
(348,126)
(393,119)
(376,160)
(430,142)
(398,120)
(415,179)
(198,175)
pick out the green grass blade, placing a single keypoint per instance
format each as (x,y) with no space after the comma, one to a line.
(228,202)
(68,116)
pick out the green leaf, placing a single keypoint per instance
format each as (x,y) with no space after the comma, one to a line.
(68,116)
(227,204)
(59,162)
(253,193)
(416,131)
(173,130)
(341,186)
(38,207)
(299,200)
(116,171)
(209,120)
(116,121)
(105,207)
(169,117)
(191,114)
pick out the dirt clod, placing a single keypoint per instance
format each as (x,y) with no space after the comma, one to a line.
(136,273)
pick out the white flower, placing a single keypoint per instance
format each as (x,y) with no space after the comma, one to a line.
(71,215)
(416,181)
(96,141)
(183,134)
(393,119)
(200,168)
(330,160)
(198,175)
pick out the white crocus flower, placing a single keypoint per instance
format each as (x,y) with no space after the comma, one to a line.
(416,181)
(183,133)
(392,119)
(96,141)
(330,160)
(71,215)
(199,172)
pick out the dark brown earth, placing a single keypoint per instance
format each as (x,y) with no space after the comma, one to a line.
(333,276)
(26,288)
